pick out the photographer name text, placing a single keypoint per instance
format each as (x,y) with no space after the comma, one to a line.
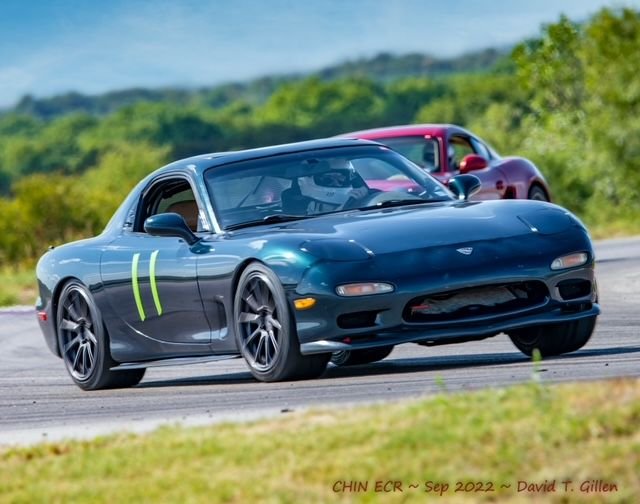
(591,486)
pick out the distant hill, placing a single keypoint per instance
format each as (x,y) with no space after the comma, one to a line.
(386,66)
(382,67)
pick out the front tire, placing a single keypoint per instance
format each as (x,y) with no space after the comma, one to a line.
(84,343)
(356,357)
(265,331)
(554,339)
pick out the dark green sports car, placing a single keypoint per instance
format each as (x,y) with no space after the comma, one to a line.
(293,255)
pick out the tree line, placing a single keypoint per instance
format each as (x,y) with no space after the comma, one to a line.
(568,99)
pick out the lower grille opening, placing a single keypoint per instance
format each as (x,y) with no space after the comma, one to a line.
(357,320)
(476,302)
(573,289)
(576,307)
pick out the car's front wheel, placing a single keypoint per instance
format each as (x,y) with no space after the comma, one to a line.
(356,357)
(554,339)
(265,332)
(84,343)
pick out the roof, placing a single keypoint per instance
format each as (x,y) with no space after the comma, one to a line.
(206,161)
(404,130)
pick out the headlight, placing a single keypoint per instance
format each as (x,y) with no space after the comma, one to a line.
(570,261)
(364,289)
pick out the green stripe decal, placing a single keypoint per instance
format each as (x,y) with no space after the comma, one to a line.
(154,287)
(136,287)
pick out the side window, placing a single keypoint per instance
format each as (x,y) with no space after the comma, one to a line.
(459,147)
(480,148)
(170,195)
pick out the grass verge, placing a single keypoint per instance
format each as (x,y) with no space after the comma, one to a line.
(17,286)
(532,433)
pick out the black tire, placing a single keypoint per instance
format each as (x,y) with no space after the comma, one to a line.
(84,343)
(554,339)
(537,193)
(265,330)
(356,357)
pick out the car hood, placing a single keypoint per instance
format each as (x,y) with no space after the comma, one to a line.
(399,229)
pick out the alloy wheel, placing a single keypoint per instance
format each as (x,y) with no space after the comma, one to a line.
(79,345)
(260,329)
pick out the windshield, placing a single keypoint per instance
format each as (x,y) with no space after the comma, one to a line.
(306,184)
(425,152)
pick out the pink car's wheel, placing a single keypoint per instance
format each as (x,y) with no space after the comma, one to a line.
(537,193)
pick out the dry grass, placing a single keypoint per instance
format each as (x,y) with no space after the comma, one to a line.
(17,286)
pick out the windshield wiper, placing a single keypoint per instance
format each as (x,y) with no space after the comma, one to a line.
(397,202)
(267,220)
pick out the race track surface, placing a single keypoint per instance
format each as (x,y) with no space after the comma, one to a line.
(38,401)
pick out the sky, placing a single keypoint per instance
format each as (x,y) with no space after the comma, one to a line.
(49,47)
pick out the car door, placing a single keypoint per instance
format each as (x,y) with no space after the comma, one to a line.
(493,181)
(151,282)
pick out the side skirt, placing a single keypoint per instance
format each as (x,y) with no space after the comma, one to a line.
(177,361)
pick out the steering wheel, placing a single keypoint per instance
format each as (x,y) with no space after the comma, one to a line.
(353,203)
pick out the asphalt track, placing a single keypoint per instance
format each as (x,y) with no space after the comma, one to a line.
(38,400)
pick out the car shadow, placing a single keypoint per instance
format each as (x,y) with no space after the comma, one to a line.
(595,352)
(408,365)
(452,362)
(391,365)
(220,379)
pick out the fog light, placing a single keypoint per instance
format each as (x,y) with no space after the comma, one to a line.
(304,303)
(570,261)
(363,289)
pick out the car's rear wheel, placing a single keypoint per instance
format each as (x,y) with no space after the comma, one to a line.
(84,343)
(554,339)
(265,332)
(537,193)
(355,357)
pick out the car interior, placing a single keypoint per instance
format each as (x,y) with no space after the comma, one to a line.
(175,196)
(189,211)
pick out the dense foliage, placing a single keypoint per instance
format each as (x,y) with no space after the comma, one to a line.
(569,100)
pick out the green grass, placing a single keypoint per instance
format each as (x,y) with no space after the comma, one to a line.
(530,432)
(17,286)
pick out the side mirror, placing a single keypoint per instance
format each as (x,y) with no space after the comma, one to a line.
(472,162)
(169,224)
(464,186)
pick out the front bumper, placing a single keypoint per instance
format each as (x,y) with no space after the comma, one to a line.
(320,329)
(452,333)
